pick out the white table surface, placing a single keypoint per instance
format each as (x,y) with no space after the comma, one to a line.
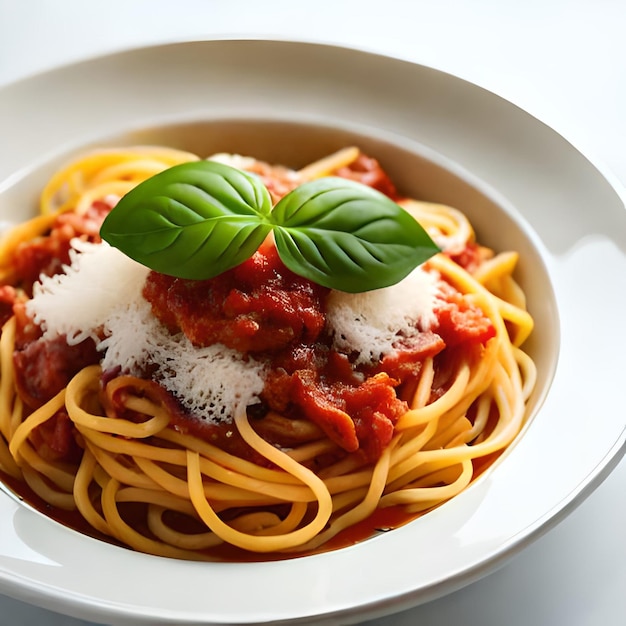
(563,61)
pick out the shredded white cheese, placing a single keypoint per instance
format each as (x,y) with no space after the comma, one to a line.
(79,302)
(234,160)
(210,382)
(370,323)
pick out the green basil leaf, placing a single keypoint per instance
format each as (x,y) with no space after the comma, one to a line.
(194,220)
(347,236)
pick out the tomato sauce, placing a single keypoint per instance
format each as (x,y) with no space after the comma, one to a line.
(258,306)
(261,309)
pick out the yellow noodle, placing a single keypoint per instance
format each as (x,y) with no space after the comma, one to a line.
(364,508)
(128,535)
(62,477)
(69,183)
(22,232)
(42,488)
(87,382)
(38,417)
(169,536)
(326,165)
(84,504)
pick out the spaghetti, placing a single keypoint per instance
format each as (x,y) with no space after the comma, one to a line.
(328,441)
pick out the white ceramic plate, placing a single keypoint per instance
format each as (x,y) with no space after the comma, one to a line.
(522,185)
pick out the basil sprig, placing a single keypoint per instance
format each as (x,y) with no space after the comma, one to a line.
(199,219)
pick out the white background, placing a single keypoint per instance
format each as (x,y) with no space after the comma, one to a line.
(564,62)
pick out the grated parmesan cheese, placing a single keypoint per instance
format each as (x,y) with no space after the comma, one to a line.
(234,160)
(210,382)
(370,323)
(78,303)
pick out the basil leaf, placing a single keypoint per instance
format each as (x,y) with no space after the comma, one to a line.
(199,219)
(347,236)
(194,220)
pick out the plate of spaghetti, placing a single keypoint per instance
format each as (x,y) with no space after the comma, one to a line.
(248,349)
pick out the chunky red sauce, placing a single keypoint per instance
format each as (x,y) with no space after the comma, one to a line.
(259,308)
(262,308)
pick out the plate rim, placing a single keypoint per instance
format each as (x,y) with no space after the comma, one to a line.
(550,518)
